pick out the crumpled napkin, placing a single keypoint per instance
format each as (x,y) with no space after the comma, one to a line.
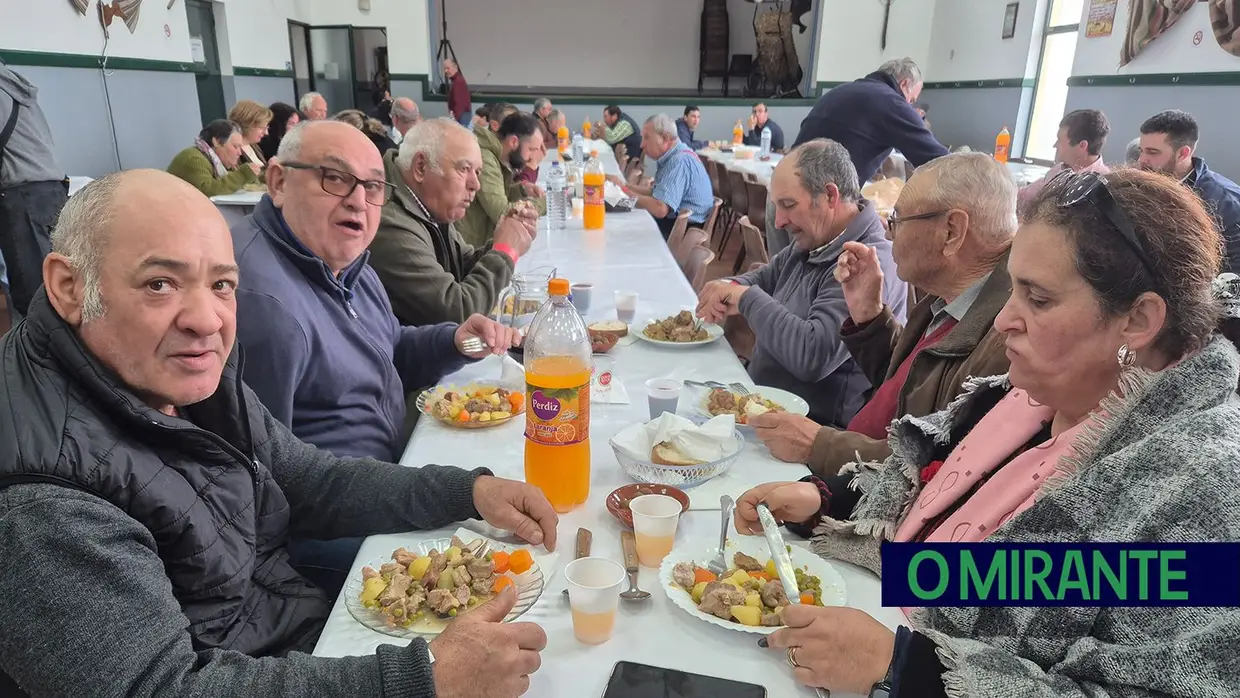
(709,442)
(615,196)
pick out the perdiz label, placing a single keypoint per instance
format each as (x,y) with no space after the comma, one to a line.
(558,416)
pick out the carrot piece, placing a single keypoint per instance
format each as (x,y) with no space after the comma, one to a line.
(516,400)
(500,558)
(807,598)
(702,575)
(500,583)
(520,561)
(463,416)
(760,575)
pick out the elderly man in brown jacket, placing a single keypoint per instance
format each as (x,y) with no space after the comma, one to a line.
(951,232)
(430,273)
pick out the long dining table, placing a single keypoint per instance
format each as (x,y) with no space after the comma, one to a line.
(627,255)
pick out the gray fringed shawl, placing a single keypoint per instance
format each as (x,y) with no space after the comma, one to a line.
(1163,466)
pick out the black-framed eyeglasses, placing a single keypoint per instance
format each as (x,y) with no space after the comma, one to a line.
(339,183)
(895,218)
(1091,187)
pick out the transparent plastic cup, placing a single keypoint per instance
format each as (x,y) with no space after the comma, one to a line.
(664,394)
(593,594)
(626,306)
(655,517)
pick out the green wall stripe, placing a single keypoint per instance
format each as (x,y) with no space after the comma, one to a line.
(74,60)
(262,72)
(1151,79)
(979,84)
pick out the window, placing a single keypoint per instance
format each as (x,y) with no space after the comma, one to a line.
(1050,87)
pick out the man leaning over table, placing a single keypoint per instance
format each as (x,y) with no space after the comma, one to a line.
(324,352)
(430,273)
(795,305)
(145,508)
(951,233)
(679,182)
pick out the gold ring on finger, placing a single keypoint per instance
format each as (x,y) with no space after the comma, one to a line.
(792,658)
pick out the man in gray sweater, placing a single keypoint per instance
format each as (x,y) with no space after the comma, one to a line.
(147,497)
(794,304)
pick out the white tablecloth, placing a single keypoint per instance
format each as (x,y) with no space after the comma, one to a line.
(760,169)
(629,254)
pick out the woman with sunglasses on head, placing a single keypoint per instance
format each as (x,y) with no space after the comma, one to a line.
(1118,422)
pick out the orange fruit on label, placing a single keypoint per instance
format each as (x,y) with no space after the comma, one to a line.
(565,433)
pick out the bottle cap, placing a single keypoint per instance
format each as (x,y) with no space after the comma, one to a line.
(557,287)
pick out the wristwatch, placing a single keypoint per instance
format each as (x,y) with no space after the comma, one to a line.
(882,689)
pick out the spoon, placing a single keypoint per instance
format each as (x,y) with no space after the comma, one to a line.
(720,564)
(584,538)
(629,544)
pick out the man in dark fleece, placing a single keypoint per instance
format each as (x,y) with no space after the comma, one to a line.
(872,115)
(795,305)
(147,496)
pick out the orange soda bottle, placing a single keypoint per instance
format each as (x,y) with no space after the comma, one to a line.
(593,180)
(738,133)
(558,367)
(1003,145)
(585,127)
(562,139)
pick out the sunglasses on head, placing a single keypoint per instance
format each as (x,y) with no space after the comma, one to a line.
(1091,188)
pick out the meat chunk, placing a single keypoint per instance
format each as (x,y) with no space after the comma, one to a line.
(399,611)
(752,584)
(388,569)
(683,575)
(772,620)
(415,596)
(773,594)
(747,563)
(404,557)
(482,587)
(718,599)
(480,568)
(396,589)
(369,572)
(461,575)
(462,594)
(441,601)
(459,543)
(439,562)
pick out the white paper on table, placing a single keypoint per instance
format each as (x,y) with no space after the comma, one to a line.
(627,339)
(614,195)
(618,395)
(709,442)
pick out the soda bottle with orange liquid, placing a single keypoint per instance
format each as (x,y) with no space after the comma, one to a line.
(1003,145)
(585,128)
(738,133)
(558,364)
(593,180)
(562,139)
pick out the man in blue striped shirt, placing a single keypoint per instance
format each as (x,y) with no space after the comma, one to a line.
(680,181)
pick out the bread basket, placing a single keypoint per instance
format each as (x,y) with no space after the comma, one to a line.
(677,476)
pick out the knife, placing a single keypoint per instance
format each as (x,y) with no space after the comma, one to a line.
(779,554)
(584,539)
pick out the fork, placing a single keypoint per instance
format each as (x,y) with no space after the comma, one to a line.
(719,565)
(484,547)
(739,388)
(473,345)
(716,385)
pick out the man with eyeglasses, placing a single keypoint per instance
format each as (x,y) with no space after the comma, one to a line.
(951,232)
(323,350)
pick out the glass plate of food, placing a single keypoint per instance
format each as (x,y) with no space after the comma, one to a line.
(749,597)
(473,406)
(681,330)
(760,400)
(420,589)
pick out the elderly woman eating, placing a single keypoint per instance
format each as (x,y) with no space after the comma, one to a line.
(254,120)
(213,163)
(1117,422)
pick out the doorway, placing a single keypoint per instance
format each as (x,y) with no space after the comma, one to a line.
(347,65)
(204,48)
(299,49)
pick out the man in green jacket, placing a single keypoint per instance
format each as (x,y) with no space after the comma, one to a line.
(516,144)
(430,273)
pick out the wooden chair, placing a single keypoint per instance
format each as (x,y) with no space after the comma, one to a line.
(757,205)
(712,218)
(739,199)
(755,244)
(677,236)
(723,190)
(693,237)
(695,268)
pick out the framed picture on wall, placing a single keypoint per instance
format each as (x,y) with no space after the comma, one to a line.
(1009,20)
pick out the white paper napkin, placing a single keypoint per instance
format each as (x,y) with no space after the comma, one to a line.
(627,339)
(709,442)
(512,374)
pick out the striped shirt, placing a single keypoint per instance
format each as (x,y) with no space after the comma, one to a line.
(681,182)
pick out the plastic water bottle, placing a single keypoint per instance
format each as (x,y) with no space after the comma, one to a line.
(766,141)
(579,148)
(557,197)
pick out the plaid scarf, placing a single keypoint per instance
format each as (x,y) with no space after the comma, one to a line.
(205,148)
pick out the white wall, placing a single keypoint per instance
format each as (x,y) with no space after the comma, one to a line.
(408,35)
(1173,52)
(967,44)
(56,27)
(257,32)
(851,30)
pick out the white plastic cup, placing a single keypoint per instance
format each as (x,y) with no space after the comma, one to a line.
(582,294)
(579,207)
(655,517)
(626,306)
(664,394)
(593,594)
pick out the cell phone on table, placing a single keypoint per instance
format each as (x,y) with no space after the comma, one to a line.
(632,680)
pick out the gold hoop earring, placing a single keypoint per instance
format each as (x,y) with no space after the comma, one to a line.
(1126,357)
